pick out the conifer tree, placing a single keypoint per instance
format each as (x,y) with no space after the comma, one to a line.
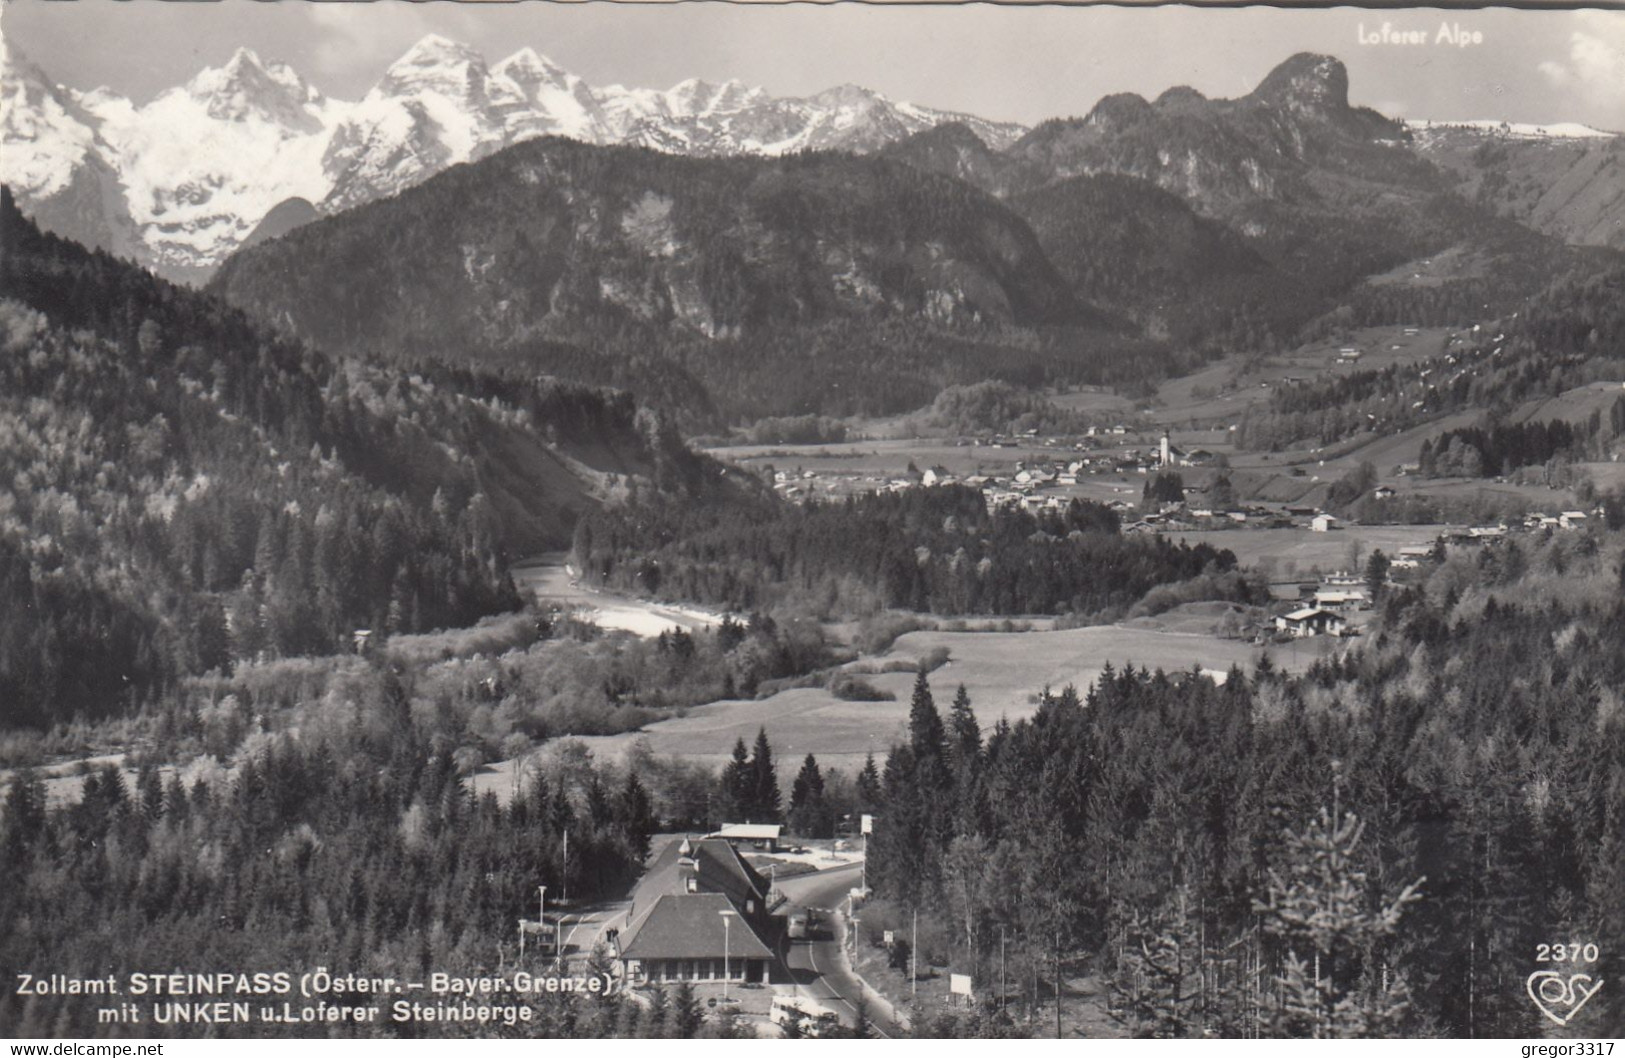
(809,813)
(737,779)
(869,790)
(635,815)
(764,801)
(925,732)
(1334,980)
(684,1015)
(1156,988)
(965,758)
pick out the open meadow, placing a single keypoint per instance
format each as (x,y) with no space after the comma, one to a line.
(1221,392)
(1299,551)
(1004,672)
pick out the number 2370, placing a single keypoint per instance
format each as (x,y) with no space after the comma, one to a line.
(1566,953)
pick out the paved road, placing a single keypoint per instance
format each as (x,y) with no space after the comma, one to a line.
(816,965)
(584,930)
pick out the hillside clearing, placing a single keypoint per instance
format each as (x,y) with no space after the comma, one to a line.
(1004,672)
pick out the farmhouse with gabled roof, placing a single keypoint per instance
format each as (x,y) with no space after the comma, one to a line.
(676,928)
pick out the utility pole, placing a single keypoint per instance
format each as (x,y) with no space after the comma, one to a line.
(914,956)
(1057,984)
(866,823)
(1002,1000)
(564,880)
(727,917)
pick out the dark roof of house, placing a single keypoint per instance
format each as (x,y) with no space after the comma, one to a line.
(690,926)
(720,869)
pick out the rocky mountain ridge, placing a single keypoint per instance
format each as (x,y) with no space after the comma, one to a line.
(180,182)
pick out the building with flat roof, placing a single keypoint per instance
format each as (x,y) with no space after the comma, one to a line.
(764,836)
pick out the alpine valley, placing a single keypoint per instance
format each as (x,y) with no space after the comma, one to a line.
(407,502)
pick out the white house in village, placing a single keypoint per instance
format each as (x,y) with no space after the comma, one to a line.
(1311,621)
(1338,600)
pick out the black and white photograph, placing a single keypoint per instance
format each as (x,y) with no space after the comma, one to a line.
(758,521)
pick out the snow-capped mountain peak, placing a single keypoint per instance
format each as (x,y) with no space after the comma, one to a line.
(436,64)
(247,88)
(697,98)
(533,96)
(47,134)
(194,171)
(527,66)
(1563,130)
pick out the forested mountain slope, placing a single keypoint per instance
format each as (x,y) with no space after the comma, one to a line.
(185,488)
(1282,205)
(1570,186)
(688,278)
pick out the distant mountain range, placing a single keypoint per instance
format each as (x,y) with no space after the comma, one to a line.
(251,149)
(837,283)
(180,182)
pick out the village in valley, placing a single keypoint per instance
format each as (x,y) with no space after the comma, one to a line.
(1172,466)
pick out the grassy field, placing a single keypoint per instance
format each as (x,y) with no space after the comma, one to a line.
(1094,401)
(1298,551)
(1003,672)
(1575,405)
(1221,392)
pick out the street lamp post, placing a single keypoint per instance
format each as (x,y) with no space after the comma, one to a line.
(914,956)
(727,918)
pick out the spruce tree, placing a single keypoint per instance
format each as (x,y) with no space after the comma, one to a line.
(869,792)
(1332,933)
(925,733)
(764,782)
(635,815)
(809,815)
(736,785)
(1157,986)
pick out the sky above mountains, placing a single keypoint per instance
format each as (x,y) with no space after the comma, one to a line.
(1014,64)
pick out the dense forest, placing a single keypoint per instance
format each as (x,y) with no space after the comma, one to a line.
(1413,818)
(186,490)
(355,845)
(935,550)
(1501,448)
(1126,243)
(1374,848)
